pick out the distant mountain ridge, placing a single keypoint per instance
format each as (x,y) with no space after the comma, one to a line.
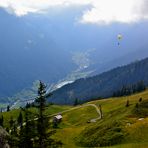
(53,47)
(102,85)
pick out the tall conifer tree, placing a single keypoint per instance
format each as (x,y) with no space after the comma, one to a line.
(42,122)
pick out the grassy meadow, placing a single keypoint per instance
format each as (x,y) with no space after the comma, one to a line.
(121,126)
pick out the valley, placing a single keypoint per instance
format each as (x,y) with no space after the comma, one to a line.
(81,50)
(73,74)
(76,128)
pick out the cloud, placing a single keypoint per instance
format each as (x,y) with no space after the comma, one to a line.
(109,11)
(144,7)
(23,7)
(101,11)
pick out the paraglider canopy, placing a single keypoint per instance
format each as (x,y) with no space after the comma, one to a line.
(119,38)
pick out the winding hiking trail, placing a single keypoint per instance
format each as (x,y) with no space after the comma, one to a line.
(74,108)
(81,106)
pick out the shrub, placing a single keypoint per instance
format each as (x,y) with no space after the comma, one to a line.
(141,110)
(105,135)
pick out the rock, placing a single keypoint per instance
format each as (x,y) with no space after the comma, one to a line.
(140,119)
(3,138)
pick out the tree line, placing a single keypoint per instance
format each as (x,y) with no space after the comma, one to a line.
(130,89)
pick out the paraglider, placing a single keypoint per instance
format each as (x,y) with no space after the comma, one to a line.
(119,38)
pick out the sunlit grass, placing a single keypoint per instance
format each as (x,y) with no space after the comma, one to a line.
(75,121)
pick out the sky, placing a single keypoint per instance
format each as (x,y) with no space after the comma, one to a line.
(98,12)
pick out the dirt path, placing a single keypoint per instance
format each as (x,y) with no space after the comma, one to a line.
(78,107)
(74,108)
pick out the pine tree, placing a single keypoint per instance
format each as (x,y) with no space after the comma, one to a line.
(140,100)
(8,108)
(1,120)
(11,122)
(137,105)
(44,140)
(20,120)
(127,103)
(13,140)
(27,133)
(42,122)
(76,102)
(28,105)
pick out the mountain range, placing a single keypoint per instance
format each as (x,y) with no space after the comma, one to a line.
(53,48)
(102,85)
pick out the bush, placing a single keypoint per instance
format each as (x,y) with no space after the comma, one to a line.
(141,110)
(105,135)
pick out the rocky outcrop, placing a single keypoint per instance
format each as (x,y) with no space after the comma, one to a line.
(3,138)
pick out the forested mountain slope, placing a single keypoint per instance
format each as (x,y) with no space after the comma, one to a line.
(102,85)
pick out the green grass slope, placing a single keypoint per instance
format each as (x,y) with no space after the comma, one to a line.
(121,126)
(50,109)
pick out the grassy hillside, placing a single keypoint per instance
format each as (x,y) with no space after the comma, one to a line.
(51,109)
(121,126)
